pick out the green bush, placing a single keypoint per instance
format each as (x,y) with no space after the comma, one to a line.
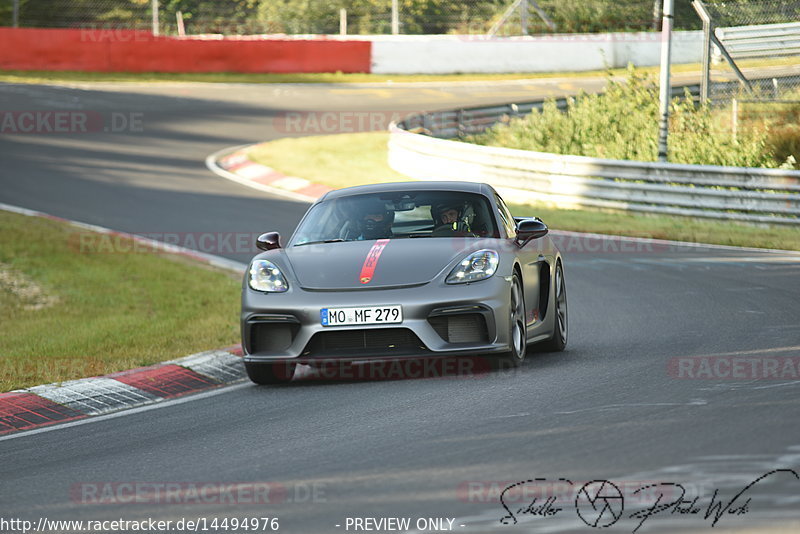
(784,143)
(622,123)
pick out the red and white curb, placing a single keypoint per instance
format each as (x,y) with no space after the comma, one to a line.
(49,404)
(235,164)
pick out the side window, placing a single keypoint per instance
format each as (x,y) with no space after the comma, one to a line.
(506,218)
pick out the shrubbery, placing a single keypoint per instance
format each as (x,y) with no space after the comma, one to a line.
(364,16)
(622,123)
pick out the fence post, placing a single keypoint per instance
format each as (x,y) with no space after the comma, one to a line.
(343,21)
(154,5)
(665,89)
(181,25)
(705,79)
(395,18)
(656,13)
(15,14)
(523,16)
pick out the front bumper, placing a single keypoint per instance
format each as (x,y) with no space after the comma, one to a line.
(287,326)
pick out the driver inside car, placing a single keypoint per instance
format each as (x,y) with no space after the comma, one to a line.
(449,220)
(376,223)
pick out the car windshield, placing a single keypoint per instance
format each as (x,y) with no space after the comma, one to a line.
(394,215)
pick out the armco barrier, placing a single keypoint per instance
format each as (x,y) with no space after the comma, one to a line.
(138,51)
(735,193)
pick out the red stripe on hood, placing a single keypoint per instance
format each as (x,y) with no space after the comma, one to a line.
(371,261)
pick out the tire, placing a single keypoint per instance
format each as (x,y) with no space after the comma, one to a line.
(270,373)
(518,344)
(558,342)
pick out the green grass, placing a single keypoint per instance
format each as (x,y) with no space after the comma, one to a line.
(355,159)
(664,227)
(16,76)
(101,312)
(19,76)
(334,160)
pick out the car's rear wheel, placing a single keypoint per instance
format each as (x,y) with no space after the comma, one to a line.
(559,340)
(517,341)
(270,373)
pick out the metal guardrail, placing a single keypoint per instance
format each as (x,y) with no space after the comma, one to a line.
(758,41)
(420,147)
(467,121)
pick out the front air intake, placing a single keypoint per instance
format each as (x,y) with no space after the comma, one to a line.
(271,338)
(461,328)
(365,342)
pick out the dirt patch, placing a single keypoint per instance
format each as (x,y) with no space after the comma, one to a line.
(29,294)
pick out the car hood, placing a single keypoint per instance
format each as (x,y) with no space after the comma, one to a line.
(377,264)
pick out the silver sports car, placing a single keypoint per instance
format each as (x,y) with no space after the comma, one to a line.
(402,270)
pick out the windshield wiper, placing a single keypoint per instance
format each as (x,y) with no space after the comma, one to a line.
(337,240)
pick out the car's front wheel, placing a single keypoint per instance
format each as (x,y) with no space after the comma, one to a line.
(517,341)
(270,373)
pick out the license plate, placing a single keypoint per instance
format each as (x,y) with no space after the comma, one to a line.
(362,315)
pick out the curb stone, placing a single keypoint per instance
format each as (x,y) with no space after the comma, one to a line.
(236,165)
(30,408)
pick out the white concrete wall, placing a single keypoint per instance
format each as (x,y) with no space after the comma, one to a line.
(445,54)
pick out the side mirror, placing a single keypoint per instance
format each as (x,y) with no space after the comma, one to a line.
(269,241)
(529,229)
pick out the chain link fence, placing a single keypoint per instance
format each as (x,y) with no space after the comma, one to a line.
(752,69)
(757,44)
(238,17)
(227,17)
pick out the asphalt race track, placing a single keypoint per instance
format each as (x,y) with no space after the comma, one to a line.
(617,405)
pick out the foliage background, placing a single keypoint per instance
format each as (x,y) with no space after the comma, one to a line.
(622,123)
(322,16)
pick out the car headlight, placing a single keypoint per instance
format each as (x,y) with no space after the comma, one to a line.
(265,276)
(477,266)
